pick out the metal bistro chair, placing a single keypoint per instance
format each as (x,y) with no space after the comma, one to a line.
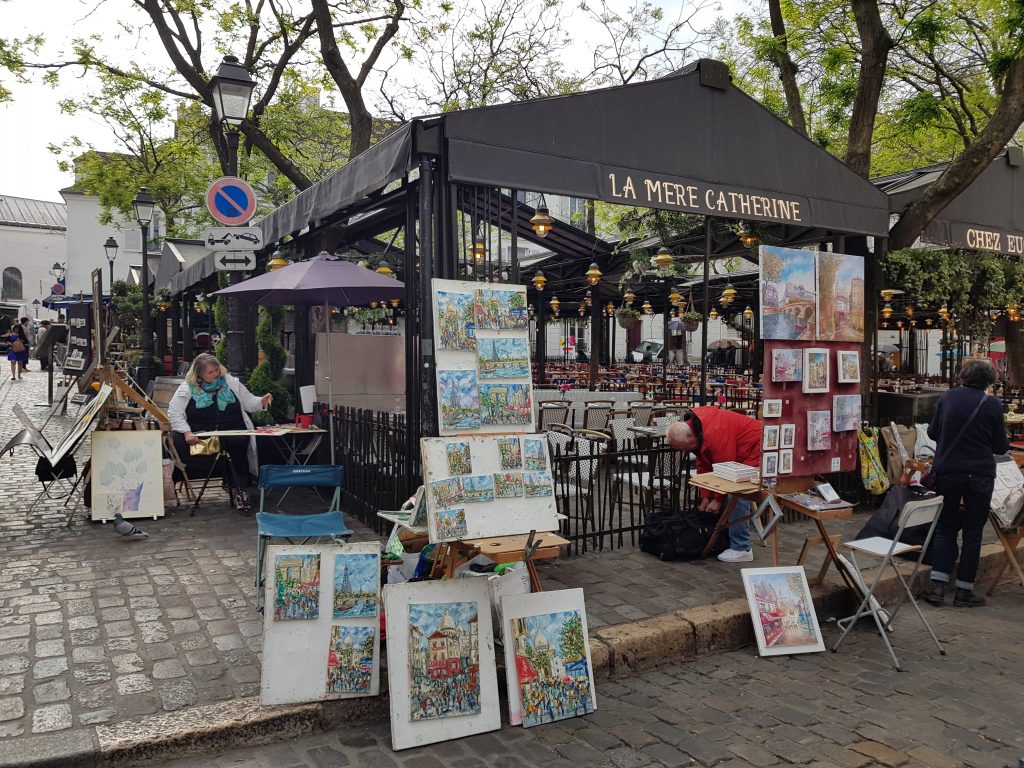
(297,529)
(922,512)
(596,414)
(575,457)
(552,412)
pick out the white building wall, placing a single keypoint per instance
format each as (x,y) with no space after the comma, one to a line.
(33,251)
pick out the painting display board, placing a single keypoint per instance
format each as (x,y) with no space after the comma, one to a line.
(782,610)
(79,354)
(321,625)
(442,679)
(548,667)
(485,486)
(127,474)
(77,431)
(483,358)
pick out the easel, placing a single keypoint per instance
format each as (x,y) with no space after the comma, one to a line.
(528,548)
(752,492)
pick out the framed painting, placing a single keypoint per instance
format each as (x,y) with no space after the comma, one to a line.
(770,438)
(815,371)
(787,436)
(789,304)
(769,464)
(127,474)
(772,409)
(840,294)
(819,430)
(782,611)
(786,462)
(848,366)
(442,678)
(846,413)
(548,667)
(787,365)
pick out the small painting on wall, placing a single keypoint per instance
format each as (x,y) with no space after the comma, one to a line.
(787,365)
(848,363)
(815,371)
(819,430)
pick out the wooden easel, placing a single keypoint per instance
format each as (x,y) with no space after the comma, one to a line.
(525,547)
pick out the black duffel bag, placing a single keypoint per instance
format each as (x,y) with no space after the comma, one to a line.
(681,535)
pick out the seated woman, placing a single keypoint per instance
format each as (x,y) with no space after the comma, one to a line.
(210,400)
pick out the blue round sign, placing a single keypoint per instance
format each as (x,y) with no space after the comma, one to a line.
(231,201)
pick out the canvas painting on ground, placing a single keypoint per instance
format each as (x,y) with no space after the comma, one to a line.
(460,461)
(505,404)
(451,524)
(536,454)
(458,399)
(815,371)
(356,584)
(840,297)
(846,413)
(441,671)
(819,430)
(848,363)
(511,453)
(127,474)
(508,485)
(296,587)
(350,659)
(499,310)
(503,358)
(782,610)
(548,667)
(788,300)
(456,324)
(787,365)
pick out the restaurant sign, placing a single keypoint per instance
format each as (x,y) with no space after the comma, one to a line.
(958,235)
(628,187)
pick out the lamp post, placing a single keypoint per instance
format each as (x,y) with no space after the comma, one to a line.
(35,307)
(231,89)
(144,204)
(111,248)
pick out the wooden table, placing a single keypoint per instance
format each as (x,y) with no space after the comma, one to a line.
(820,516)
(503,549)
(709,481)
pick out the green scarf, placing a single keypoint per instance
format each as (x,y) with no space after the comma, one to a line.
(204,393)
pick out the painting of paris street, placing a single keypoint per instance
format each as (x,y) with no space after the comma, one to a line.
(458,399)
(356,577)
(505,404)
(510,453)
(499,310)
(296,587)
(789,303)
(455,321)
(782,610)
(840,297)
(350,659)
(444,660)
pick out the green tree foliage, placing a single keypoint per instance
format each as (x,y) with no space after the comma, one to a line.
(266,377)
(571,642)
(12,59)
(127,301)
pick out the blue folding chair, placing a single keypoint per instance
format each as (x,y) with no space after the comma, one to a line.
(297,529)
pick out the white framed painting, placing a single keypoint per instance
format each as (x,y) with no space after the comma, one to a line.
(548,667)
(786,462)
(815,379)
(787,365)
(321,623)
(770,438)
(442,677)
(846,413)
(772,409)
(782,610)
(787,436)
(769,464)
(848,366)
(127,474)
(819,430)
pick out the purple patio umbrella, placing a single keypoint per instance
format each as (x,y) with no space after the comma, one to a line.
(323,280)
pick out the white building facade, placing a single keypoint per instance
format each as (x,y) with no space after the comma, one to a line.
(32,240)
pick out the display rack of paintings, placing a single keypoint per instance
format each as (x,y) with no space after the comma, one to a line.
(470,481)
(548,667)
(782,610)
(127,474)
(321,623)
(442,678)
(483,358)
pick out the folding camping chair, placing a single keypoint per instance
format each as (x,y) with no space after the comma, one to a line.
(59,480)
(922,512)
(297,529)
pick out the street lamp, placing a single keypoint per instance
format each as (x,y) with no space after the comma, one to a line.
(57,270)
(111,248)
(144,205)
(35,307)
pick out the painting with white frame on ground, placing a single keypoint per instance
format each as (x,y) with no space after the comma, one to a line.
(782,610)
(442,677)
(848,365)
(846,413)
(787,436)
(815,371)
(772,409)
(548,667)
(127,474)
(770,437)
(769,464)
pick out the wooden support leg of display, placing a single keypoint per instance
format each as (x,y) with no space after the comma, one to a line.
(826,562)
(1010,542)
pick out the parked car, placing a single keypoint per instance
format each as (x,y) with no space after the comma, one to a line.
(650,349)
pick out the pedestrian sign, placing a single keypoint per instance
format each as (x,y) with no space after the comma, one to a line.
(231,201)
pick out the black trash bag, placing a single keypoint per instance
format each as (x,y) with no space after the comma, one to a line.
(65,469)
(681,535)
(886,521)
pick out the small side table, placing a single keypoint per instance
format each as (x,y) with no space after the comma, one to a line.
(751,491)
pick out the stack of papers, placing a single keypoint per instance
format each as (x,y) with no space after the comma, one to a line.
(736,472)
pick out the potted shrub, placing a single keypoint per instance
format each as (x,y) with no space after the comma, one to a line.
(627,317)
(691,320)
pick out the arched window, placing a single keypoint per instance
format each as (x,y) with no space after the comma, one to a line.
(12,283)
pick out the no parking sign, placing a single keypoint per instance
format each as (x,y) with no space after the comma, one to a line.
(231,201)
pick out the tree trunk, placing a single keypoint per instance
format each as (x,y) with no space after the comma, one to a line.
(875,46)
(1014,354)
(787,68)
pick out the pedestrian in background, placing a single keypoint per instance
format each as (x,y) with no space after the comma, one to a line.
(17,350)
(968,430)
(39,351)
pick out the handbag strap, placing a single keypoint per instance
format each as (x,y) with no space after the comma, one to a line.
(963,428)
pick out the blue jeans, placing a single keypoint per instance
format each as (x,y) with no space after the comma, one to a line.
(976,491)
(739,534)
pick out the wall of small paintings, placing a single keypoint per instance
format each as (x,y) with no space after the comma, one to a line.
(487,485)
(321,623)
(482,344)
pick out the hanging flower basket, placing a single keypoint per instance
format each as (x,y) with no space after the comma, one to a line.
(691,321)
(627,318)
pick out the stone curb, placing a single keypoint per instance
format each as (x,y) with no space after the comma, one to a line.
(618,650)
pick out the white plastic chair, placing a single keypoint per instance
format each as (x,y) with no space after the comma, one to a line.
(914,513)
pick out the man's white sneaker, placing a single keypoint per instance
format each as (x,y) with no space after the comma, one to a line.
(736,556)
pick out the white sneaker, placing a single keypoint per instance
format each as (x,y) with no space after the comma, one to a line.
(736,556)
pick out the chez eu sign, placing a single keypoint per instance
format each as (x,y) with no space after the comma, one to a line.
(677,194)
(940,232)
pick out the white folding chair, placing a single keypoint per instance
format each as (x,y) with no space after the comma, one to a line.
(914,513)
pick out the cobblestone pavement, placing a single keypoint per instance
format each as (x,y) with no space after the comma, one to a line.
(736,710)
(95,629)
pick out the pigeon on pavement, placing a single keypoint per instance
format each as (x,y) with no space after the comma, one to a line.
(126,529)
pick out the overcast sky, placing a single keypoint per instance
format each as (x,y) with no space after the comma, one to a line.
(33,120)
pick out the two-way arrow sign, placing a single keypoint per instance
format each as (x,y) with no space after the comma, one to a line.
(235,262)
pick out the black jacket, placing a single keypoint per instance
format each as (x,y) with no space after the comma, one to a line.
(982,438)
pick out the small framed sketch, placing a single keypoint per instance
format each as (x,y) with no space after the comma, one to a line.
(786,462)
(848,365)
(770,438)
(772,409)
(787,436)
(769,464)
(815,371)
(782,610)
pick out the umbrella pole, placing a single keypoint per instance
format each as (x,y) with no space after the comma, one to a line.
(330,382)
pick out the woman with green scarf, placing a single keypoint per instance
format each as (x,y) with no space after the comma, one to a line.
(212,400)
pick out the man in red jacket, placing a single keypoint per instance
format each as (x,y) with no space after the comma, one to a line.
(716,435)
